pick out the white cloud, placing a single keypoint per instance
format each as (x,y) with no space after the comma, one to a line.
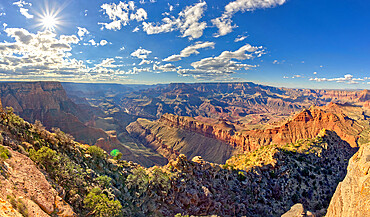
(192,49)
(145,62)
(141,53)
(165,68)
(108,63)
(82,32)
(349,79)
(314,73)
(24,11)
(275,62)
(121,14)
(240,38)
(224,23)
(122,48)
(92,41)
(136,29)
(103,42)
(187,22)
(22,3)
(40,53)
(44,56)
(224,64)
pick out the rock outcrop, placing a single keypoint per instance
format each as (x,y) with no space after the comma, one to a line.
(352,196)
(7,210)
(306,124)
(48,102)
(24,180)
(298,211)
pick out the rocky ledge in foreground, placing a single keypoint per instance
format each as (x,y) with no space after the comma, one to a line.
(352,197)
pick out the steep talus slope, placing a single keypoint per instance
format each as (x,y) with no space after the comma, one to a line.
(352,196)
(171,141)
(22,179)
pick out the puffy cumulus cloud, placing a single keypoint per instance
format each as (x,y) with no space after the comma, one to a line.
(187,22)
(121,14)
(103,42)
(40,53)
(24,11)
(92,42)
(44,56)
(165,68)
(224,23)
(192,49)
(224,64)
(141,53)
(82,32)
(349,79)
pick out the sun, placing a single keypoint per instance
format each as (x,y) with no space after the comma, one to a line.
(49,22)
(48,17)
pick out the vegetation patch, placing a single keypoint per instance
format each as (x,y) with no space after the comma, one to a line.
(100,205)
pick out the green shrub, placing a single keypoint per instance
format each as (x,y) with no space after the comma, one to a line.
(138,181)
(45,156)
(101,205)
(103,181)
(180,215)
(96,152)
(4,153)
(118,156)
(59,167)
(160,180)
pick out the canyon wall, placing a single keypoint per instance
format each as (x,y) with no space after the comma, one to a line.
(306,124)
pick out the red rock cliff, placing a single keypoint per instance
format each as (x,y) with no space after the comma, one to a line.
(306,124)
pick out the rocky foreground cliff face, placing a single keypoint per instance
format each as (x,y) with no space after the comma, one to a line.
(352,196)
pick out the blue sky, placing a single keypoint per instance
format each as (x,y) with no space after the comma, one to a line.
(291,43)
